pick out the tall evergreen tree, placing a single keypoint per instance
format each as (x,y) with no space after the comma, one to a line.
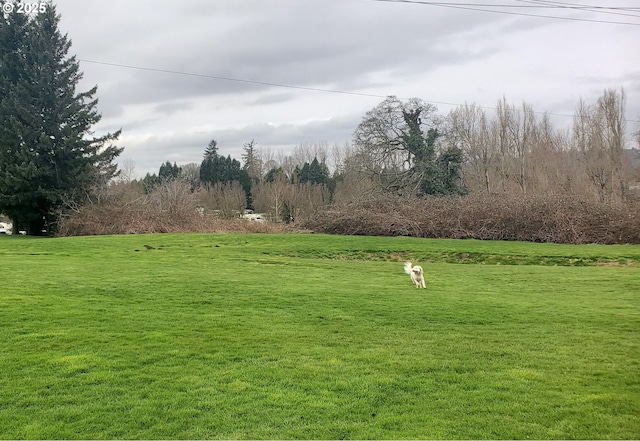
(301,175)
(313,173)
(47,151)
(318,173)
(169,172)
(210,168)
(150,182)
(216,168)
(212,149)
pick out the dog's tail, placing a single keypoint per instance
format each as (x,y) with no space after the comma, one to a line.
(407,267)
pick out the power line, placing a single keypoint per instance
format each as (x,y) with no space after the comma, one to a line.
(236,80)
(260,83)
(611,10)
(245,81)
(560,4)
(289,86)
(482,8)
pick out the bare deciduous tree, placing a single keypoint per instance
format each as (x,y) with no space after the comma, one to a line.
(514,129)
(252,161)
(227,199)
(127,171)
(191,174)
(307,152)
(396,141)
(599,137)
(174,198)
(469,130)
(269,197)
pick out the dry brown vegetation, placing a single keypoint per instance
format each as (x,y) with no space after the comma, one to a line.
(171,208)
(559,219)
(174,208)
(525,180)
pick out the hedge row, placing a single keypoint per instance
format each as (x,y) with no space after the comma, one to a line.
(551,218)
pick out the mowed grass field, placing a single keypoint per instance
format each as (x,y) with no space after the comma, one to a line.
(316,337)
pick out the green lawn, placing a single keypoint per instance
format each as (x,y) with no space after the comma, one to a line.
(316,337)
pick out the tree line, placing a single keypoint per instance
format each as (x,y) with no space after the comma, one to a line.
(407,148)
(52,168)
(228,187)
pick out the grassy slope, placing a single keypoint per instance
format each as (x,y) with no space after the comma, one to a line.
(309,336)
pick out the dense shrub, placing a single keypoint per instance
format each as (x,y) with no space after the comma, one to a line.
(170,208)
(541,218)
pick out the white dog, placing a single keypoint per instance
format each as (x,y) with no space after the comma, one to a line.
(416,273)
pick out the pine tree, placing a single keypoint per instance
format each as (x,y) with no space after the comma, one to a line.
(212,149)
(313,173)
(318,173)
(302,174)
(210,168)
(169,172)
(150,182)
(216,168)
(47,153)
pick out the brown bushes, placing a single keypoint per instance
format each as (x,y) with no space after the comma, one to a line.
(548,218)
(170,208)
(173,207)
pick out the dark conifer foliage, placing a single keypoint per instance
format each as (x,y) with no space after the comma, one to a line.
(169,172)
(217,168)
(314,173)
(48,153)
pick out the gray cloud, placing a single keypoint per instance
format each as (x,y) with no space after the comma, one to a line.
(173,99)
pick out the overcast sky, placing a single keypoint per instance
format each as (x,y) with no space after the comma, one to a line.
(176,74)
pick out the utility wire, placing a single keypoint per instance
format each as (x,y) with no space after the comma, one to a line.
(261,83)
(482,8)
(595,9)
(237,80)
(549,4)
(560,4)
(289,86)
